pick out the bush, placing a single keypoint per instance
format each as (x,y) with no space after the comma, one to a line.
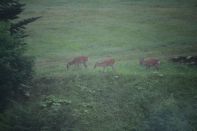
(36,117)
(166,116)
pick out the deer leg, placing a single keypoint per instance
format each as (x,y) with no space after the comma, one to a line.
(80,65)
(77,65)
(85,65)
(112,68)
(157,67)
(67,66)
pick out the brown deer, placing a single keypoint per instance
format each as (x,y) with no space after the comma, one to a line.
(78,61)
(150,62)
(105,63)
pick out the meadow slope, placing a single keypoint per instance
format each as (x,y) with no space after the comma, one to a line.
(125,30)
(130,98)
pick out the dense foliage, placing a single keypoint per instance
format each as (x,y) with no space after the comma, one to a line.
(38,117)
(15,67)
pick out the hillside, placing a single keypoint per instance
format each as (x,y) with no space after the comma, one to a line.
(130,98)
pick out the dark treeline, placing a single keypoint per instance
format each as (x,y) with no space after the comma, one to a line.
(15,79)
(15,67)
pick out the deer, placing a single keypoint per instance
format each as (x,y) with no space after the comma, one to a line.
(105,63)
(78,61)
(150,62)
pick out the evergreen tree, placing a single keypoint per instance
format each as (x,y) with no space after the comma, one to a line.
(10,9)
(15,68)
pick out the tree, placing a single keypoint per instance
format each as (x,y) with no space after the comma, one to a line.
(15,67)
(9,10)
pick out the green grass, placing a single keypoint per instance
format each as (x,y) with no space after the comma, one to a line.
(101,29)
(132,97)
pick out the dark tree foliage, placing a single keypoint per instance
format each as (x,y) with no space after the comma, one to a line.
(15,67)
(19,27)
(10,9)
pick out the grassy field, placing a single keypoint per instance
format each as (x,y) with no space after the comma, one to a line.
(131,98)
(125,30)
